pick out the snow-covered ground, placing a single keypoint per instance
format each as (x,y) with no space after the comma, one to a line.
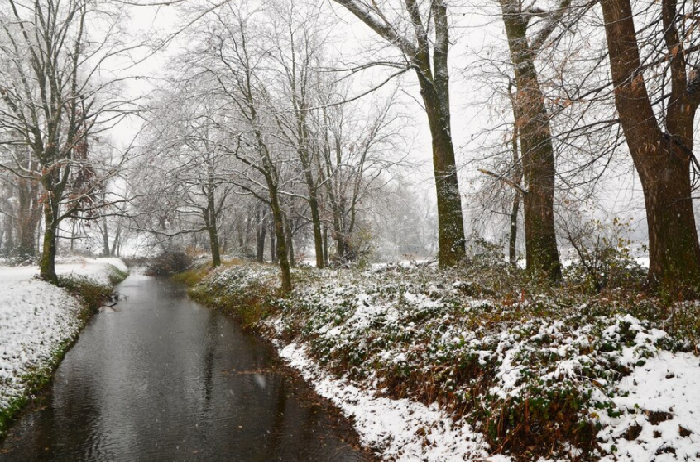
(405,430)
(357,335)
(36,318)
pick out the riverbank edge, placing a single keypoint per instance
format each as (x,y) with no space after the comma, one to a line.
(90,296)
(386,427)
(600,339)
(249,311)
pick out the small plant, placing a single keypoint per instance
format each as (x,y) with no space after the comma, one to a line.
(604,259)
(483,253)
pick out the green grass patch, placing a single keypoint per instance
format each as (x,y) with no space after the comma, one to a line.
(247,292)
(193,276)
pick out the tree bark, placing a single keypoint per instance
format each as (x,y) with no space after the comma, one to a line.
(290,242)
(517,179)
(325,245)
(47,265)
(29,213)
(435,93)
(662,159)
(316,220)
(281,250)
(273,244)
(260,237)
(117,239)
(537,151)
(105,237)
(9,232)
(212,230)
(512,256)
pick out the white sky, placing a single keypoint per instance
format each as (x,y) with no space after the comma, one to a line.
(475,33)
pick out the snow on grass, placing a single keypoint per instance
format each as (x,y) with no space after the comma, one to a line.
(96,269)
(36,319)
(513,371)
(659,411)
(405,430)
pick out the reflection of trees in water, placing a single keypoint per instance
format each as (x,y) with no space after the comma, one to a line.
(211,346)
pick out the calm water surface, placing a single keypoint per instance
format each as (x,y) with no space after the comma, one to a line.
(165,379)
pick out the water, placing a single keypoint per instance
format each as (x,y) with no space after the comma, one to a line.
(165,379)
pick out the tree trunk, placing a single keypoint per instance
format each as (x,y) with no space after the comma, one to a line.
(537,151)
(661,159)
(260,237)
(117,238)
(9,230)
(338,234)
(512,256)
(273,244)
(105,238)
(304,157)
(212,230)
(435,92)
(47,264)
(316,220)
(214,245)
(434,85)
(290,242)
(282,252)
(325,245)
(449,202)
(29,213)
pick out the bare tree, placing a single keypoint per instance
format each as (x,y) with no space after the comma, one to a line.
(534,133)
(660,139)
(233,58)
(355,152)
(422,34)
(50,103)
(183,163)
(299,33)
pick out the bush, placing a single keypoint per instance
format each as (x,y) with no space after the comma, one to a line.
(169,263)
(605,260)
(482,253)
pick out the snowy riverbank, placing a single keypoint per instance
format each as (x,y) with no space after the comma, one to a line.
(433,366)
(37,322)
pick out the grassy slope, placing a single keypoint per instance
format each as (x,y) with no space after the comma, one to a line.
(533,369)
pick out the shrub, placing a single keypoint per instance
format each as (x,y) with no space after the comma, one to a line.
(169,263)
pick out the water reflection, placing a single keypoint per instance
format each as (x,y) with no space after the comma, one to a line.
(165,379)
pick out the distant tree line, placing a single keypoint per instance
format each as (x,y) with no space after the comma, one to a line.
(264,131)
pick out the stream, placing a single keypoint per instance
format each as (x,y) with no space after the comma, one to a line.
(166,379)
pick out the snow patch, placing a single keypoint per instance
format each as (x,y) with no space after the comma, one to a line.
(403,430)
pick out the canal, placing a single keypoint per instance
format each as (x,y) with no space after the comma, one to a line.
(166,379)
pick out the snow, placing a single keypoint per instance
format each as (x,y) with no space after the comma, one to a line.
(37,317)
(666,386)
(404,429)
(367,326)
